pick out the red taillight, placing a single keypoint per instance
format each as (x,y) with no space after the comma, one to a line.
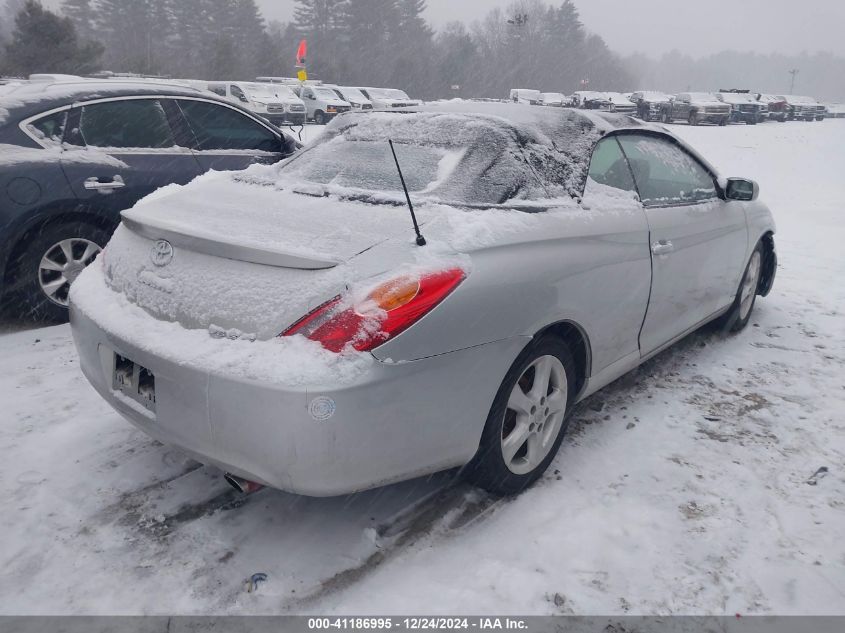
(386,311)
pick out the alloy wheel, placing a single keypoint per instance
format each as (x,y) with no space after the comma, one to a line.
(749,285)
(61,265)
(535,412)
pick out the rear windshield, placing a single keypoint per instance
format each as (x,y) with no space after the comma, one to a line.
(369,165)
(449,158)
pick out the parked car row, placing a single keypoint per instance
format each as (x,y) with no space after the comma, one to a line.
(725,106)
(324,101)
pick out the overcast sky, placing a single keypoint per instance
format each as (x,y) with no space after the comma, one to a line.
(658,26)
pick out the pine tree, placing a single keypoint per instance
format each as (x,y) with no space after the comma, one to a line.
(8,10)
(368,25)
(45,42)
(321,22)
(82,13)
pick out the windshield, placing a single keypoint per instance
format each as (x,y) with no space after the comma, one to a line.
(268,91)
(325,93)
(387,93)
(352,94)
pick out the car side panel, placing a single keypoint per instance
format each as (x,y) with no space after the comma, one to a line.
(30,193)
(591,268)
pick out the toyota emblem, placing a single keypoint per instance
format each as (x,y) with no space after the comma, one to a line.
(162,253)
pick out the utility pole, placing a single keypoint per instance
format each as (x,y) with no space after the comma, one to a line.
(793,72)
(519,21)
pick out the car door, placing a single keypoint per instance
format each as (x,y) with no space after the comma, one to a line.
(224,138)
(698,240)
(681,107)
(120,150)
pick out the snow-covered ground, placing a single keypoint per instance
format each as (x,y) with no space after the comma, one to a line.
(695,485)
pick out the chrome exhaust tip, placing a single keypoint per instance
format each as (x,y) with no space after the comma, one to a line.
(244,486)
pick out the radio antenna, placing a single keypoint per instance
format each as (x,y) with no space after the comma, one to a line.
(420,238)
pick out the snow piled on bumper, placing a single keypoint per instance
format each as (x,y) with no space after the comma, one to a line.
(291,361)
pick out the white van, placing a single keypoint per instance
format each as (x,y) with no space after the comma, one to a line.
(386,98)
(553,99)
(523,95)
(322,103)
(353,96)
(276,103)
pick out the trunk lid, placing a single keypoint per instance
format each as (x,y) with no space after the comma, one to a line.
(241,257)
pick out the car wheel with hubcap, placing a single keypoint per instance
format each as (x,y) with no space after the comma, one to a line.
(527,421)
(739,314)
(693,118)
(319,117)
(52,261)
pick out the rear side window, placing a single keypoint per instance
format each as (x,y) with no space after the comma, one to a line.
(218,90)
(140,123)
(50,128)
(608,166)
(217,127)
(665,174)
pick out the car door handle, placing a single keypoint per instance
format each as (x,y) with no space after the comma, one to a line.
(663,247)
(95,184)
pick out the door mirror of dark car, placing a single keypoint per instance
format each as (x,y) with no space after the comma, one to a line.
(741,189)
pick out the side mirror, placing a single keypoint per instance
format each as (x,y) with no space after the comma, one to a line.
(741,189)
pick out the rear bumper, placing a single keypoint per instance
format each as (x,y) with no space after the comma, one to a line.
(392,422)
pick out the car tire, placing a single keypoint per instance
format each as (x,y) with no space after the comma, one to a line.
(723,122)
(666,117)
(44,272)
(527,421)
(693,118)
(737,317)
(319,117)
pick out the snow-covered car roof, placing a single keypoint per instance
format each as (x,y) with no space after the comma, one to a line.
(492,145)
(800,100)
(737,97)
(700,96)
(653,95)
(28,99)
(617,97)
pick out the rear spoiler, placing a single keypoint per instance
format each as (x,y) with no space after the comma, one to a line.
(228,248)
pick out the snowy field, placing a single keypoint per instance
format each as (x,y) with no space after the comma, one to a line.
(695,485)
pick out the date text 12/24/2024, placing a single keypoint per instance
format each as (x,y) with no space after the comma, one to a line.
(416,624)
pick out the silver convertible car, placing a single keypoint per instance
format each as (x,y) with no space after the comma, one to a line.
(291,325)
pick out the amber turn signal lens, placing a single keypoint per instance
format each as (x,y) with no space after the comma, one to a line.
(395,293)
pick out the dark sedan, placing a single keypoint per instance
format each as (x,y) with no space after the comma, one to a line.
(73,155)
